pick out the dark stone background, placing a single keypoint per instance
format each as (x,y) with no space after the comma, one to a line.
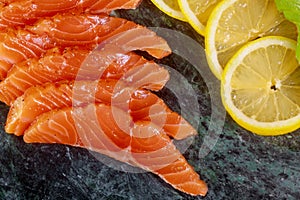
(240,166)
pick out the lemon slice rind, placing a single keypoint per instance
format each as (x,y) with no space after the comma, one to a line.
(212,28)
(165,8)
(191,17)
(260,128)
(211,54)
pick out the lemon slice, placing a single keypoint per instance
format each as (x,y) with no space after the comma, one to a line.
(169,7)
(260,86)
(233,23)
(197,12)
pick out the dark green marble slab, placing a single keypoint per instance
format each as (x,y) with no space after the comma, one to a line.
(240,165)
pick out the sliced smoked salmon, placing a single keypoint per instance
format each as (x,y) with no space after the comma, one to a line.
(4,67)
(94,127)
(180,175)
(146,106)
(68,66)
(27,12)
(142,106)
(8,1)
(19,45)
(87,31)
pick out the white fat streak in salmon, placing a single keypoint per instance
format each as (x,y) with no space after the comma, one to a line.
(40,103)
(15,82)
(26,82)
(199,186)
(58,127)
(9,20)
(19,44)
(46,136)
(158,112)
(146,76)
(64,98)
(89,130)
(129,4)
(51,136)
(57,97)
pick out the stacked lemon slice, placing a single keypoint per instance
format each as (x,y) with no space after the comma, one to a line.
(234,23)
(170,7)
(251,48)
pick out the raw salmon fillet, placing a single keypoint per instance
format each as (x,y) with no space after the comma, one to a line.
(8,1)
(131,68)
(143,105)
(27,12)
(19,45)
(87,31)
(84,31)
(94,127)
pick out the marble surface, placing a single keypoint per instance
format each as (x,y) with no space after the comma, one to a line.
(240,165)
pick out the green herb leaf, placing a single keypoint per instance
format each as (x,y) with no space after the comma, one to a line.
(291,10)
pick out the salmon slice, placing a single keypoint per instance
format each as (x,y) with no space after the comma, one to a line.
(179,174)
(95,127)
(85,31)
(143,105)
(105,6)
(27,12)
(21,13)
(90,30)
(18,45)
(8,1)
(130,68)
(44,98)
(146,106)
(4,67)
